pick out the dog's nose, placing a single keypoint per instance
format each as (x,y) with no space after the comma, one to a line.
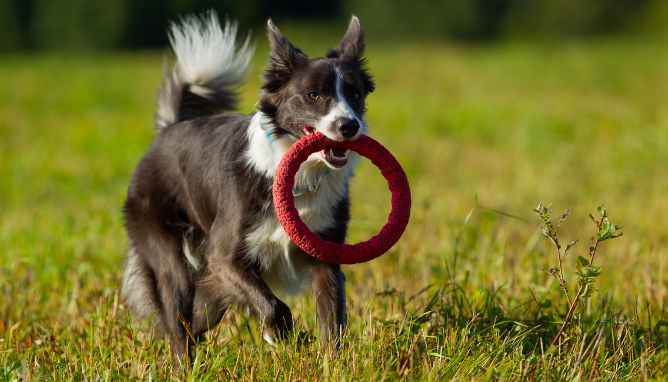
(348,127)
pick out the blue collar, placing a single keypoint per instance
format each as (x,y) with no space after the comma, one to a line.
(267,132)
(313,184)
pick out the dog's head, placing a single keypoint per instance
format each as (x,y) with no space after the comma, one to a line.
(302,95)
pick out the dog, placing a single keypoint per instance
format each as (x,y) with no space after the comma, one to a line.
(203,233)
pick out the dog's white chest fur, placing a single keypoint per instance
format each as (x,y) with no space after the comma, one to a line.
(282,265)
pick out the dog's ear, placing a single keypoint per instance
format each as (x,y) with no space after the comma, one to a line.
(351,49)
(352,44)
(284,60)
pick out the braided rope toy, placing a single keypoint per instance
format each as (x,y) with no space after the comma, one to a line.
(314,245)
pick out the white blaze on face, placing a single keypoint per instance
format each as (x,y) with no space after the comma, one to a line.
(339,109)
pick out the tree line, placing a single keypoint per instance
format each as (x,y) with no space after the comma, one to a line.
(138,24)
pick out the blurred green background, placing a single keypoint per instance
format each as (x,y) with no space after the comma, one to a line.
(114,24)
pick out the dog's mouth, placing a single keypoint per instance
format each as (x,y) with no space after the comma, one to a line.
(335,158)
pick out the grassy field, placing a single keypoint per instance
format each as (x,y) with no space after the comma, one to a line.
(462,297)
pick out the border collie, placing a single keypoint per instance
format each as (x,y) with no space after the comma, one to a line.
(203,234)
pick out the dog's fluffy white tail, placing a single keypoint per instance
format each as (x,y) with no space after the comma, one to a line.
(209,67)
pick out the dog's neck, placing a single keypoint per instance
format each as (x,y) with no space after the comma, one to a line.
(265,152)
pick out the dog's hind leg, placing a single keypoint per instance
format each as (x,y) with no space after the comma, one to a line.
(328,282)
(158,277)
(166,287)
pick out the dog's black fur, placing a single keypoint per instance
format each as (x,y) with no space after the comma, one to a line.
(199,211)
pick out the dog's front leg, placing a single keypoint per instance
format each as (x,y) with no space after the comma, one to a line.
(238,281)
(328,282)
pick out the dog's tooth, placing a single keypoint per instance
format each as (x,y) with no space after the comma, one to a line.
(331,153)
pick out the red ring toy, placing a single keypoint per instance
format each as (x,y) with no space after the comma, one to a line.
(314,245)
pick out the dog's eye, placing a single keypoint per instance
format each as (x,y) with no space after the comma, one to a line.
(356,95)
(314,95)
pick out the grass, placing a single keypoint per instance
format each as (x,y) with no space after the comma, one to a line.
(461,297)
